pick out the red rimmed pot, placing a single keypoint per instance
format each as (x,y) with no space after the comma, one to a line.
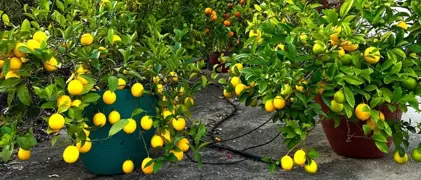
(348,138)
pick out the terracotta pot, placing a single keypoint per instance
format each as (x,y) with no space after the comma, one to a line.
(213,60)
(353,143)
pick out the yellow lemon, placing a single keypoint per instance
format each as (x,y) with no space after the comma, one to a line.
(318,48)
(65,101)
(102,48)
(235,81)
(279,102)
(86,130)
(11,74)
(76,103)
(312,168)
(181,91)
(147,169)
(130,126)
(303,37)
(109,97)
(362,111)
(400,160)
(173,76)
(237,66)
(113,117)
(166,113)
(341,52)
(239,89)
(56,121)
(334,38)
(183,144)
(51,65)
(159,88)
(146,122)
(70,154)
(128,166)
(121,83)
(371,123)
(179,124)
(286,90)
(33,44)
(99,119)
(86,146)
(300,157)
(156,79)
(281,46)
(179,154)
(269,106)
(40,36)
(402,25)
(157,141)
(227,94)
(287,163)
(381,116)
(348,46)
(116,39)
(81,70)
(1,63)
(166,135)
(23,154)
(189,101)
(299,88)
(336,107)
(82,80)
(370,56)
(75,87)
(86,39)
(15,63)
(16,51)
(137,90)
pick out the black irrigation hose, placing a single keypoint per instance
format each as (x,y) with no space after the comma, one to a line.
(239,152)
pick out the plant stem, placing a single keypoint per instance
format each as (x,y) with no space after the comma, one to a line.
(308,132)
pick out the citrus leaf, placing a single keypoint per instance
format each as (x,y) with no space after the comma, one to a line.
(112,83)
(382,146)
(5,19)
(353,80)
(26,25)
(379,138)
(117,127)
(23,95)
(91,97)
(349,97)
(346,6)
(366,129)
(137,112)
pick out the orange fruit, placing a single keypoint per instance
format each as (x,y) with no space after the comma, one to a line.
(231,34)
(227,23)
(360,113)
(237,14)
(208,11)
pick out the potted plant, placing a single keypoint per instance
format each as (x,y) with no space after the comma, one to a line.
(113,91)
(355,67)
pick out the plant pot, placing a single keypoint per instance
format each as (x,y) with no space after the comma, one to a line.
(213,60)
(107,155)
(353,143)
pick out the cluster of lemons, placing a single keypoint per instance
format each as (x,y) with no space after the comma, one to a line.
(300,159)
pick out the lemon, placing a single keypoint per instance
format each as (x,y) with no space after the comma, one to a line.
(400,160)
(121,83)
(16,51)
(130,126)
(173,76)
(370,56)
(23,154)
(166,135)
(137,90)
(227,94)
(381,116)
(371,123)
(239,89)
(33,44)
(146,122)
(348,46)
(159,88)
(312,168)
(346,59)
(269,106)
(237,66)
(341,52)
(157,141)
(183,144)
(56,121)
(109,97)
(40,36)
(70,154)
(99,119)
(179,154)
(24,59)
(303,37)
(339,96)
(416,155)
(148,169)
(81,70)
(180,91)
(402,25)
(156,79)
(65,101)
(281,46)
(189,101)
(409,83)
(300,157)
(336,107)
(287,163)
(128,166)
(116,39)
(179,124)
(86,146)
(1,63)
(86,39)
(51,65)
(235,81)
(82,80)
(102,48)
(11,74)
(318,48)
(360,113)
(166,113)
(75,87)
(334,38)
(113,117)
(86,130)
(286,90)
(15,63)
(76,103)
(279,102)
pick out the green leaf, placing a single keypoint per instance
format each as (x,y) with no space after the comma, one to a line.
(396,68)
(382,146)
(366,129)
(204,81)
(222,81)
(137,112)
(23,95)
(348,110)
(375,101)
(54,140)
(6,153)
(112,83)
(60,5)
(117,127)
(26,25)
(9,83)
(257,7)
(349,96)
(346,6)
(379,138)
(11,96)
(90,97)
(354,80)
(5,19)
(370,88)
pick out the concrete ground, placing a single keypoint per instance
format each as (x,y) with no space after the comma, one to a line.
(47,162)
